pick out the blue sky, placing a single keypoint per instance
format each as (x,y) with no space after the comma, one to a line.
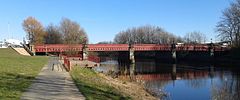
(103,19)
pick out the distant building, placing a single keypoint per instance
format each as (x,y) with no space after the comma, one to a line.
(3,44)
(13,42)
(223,43)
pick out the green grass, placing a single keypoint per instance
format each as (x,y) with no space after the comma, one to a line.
(17,72)
(93,86)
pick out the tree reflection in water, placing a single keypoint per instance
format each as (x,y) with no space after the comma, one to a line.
(165,80)
(197,83)
(229,89)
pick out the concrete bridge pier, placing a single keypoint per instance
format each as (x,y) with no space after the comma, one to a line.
(174,72)
(132,69)
(131,54)
(211,50)
(84,53)
(211,71)
(174,52)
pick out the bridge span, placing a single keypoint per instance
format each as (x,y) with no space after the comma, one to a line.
(209,49)
(123,47)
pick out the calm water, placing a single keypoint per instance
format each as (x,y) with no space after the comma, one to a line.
(180,81)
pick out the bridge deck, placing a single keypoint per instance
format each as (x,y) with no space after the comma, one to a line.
(122,47)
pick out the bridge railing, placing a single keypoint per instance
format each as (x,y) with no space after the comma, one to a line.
(94,59)
(191,47)
(67,63)
(57,47)
(123,47)
(219,48)
(108,47)
(152,47)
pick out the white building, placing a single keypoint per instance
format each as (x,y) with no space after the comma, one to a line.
(3,44)
(10,42)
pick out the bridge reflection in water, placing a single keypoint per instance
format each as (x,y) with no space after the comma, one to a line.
(180,82)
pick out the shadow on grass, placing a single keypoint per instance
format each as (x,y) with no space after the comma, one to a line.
(12,85)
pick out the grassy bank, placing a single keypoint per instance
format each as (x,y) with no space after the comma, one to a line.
(16,73)
(93,86)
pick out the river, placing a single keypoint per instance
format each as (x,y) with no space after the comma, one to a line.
(179,81)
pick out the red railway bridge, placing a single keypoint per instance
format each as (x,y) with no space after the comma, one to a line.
(84,49)
(123,47)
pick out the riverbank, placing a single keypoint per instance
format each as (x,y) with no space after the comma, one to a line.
(234,53)
(17,72)
(95,85)
(232,57)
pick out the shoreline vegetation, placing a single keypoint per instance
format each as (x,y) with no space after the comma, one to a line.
(234,53)
(17,72)
(95,85)
(232,57)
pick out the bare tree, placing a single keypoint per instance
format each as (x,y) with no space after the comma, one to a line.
(145,34)
(34,29)
(72,32)
(53,35)
(229,26)
(105,42)
(195,37)
(226,90)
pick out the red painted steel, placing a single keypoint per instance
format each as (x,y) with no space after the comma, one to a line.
(191,47)
(95,59)
(124,47)
(57,47)
(107,47)
(67,64)
(152,47)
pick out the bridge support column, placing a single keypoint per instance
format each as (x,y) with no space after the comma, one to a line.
(132,69)
(32,49)
(211,50)
(174,72)
(174,52)
(85,52)
(131,54)
(211,71)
